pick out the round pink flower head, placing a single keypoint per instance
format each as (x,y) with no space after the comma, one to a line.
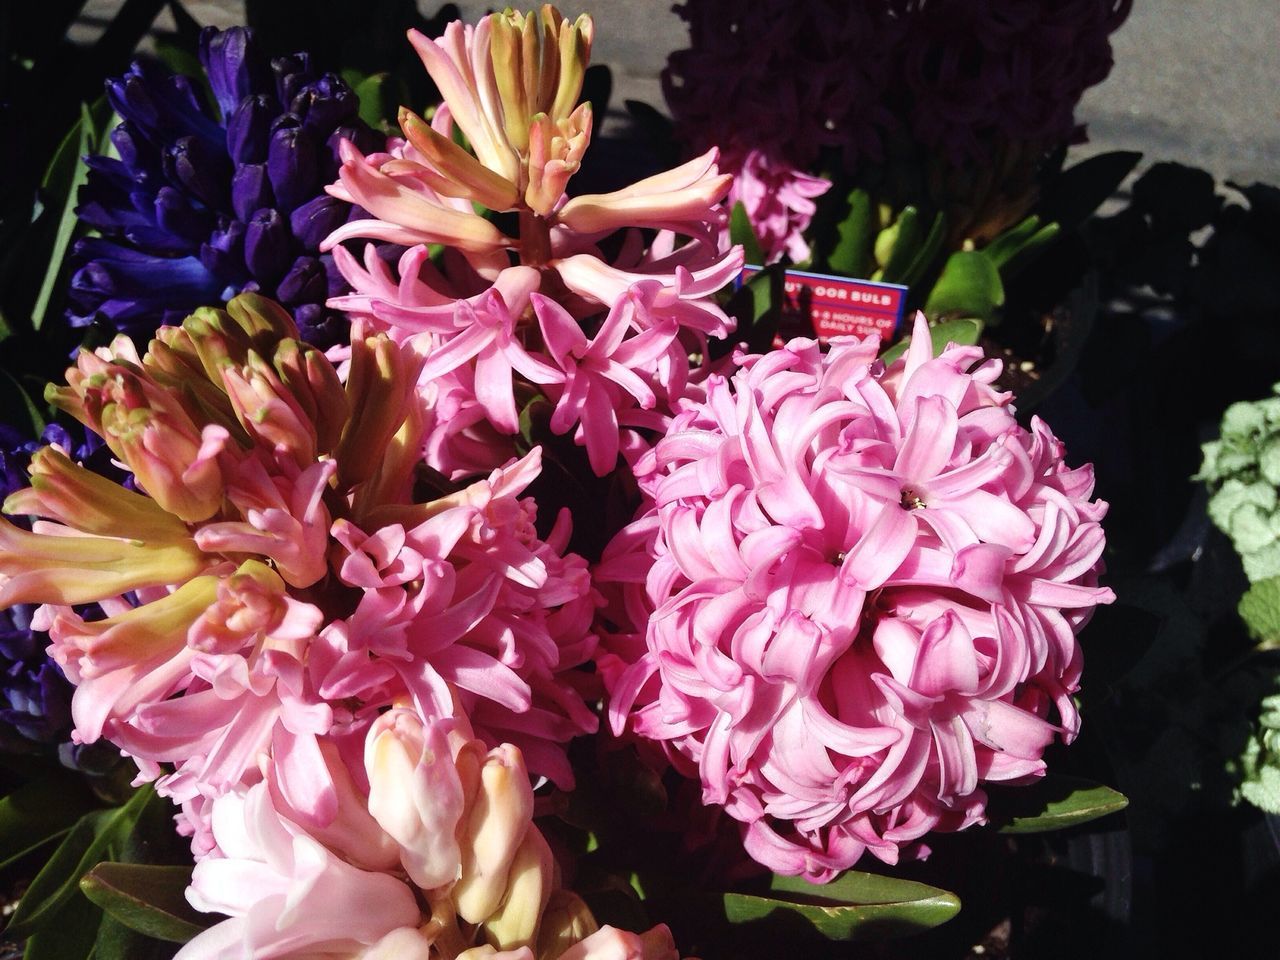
(861,591)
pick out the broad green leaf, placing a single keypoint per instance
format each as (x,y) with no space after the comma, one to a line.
(1260,610)
(907,244)
(39,811)
(963,332)
(146,898)
(1054,803)
(969,286)
(62,179)
(854,906)
(741,231)
(1018,245)
(84,846)
(377,98)
(69,935)
(850,258)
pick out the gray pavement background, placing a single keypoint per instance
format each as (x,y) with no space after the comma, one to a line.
(1197,81)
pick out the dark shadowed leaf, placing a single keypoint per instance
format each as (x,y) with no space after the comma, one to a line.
(146,898)
(854,906)
(85,845)
(38,811)
(1053,803)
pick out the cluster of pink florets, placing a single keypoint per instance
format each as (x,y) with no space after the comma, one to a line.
(852,598)
(336,637)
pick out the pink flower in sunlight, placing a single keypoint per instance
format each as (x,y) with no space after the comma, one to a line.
(300,585)
(432,842)
(511,85)
(852,598)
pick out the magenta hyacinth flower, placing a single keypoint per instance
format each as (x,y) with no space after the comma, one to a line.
(853,598)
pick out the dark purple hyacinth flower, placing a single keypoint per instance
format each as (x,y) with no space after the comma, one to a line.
(35,697)
(204,203)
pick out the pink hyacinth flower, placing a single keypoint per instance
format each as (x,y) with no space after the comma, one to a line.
(861,592)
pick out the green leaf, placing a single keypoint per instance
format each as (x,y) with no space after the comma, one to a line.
(963,332)
(926,253)
(1077,192)
(62,179)
(757,306)
(376,95)
(1260,610)
(35,415)
(39,811)
(146,898)
(854,906)
(969,286)
(85,845)
(741,231)
(1053,803)
(907,243)
(852,252)
(69,935)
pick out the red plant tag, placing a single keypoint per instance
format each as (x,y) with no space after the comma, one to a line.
(822,306)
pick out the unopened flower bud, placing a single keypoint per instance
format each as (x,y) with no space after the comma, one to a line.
(496,824)
(249,129)
(415,794)
(250,190)
(267,245)
(529,884)
(291,165)
(566,920)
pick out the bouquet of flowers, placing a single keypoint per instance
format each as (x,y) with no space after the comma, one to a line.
(432,545)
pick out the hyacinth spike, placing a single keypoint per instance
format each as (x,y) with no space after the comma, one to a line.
(378,388)
(64,491)
(39,568)
(462,175)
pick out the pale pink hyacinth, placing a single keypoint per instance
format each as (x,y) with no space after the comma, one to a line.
(279,580)
(853,598)
(471,309)
(778,200)
(432,854)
